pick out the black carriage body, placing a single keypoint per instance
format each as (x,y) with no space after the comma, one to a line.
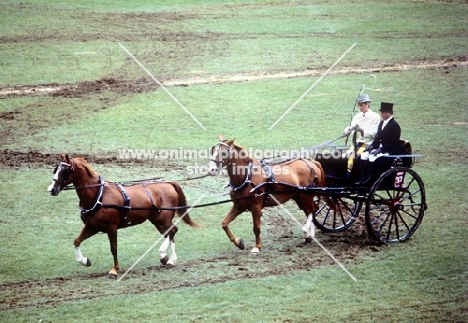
(394,197)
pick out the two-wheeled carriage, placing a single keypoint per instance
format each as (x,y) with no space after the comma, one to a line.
(394,200)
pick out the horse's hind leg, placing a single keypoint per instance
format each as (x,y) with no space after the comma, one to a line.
(85,233)
(165,260)
(166,228)
(112,235)
(233,213)
(256,217)
(306,203)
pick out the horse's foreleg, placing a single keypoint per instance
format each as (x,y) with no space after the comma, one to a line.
(112,235)
(85,233)
(233,213)
(81,259)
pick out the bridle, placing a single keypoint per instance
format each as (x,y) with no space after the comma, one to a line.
(62,186)
(67,171)
(219,163)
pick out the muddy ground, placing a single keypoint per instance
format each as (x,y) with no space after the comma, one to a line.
(283,251)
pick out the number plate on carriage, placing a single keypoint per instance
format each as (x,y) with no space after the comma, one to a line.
(399,180)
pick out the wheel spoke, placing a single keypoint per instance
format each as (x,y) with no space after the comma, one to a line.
(340,218)
(392,218)
(382,225)
(402,220)
(394,213)
(409,214)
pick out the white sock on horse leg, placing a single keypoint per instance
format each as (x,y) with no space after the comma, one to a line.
(309,228)
(173,257)
(163,248)
(79,257)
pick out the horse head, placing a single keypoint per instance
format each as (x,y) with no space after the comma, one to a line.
(221,155)
(63,175)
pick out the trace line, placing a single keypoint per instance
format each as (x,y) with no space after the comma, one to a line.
(162,86)
(313,237)
(313,85)
(160,238)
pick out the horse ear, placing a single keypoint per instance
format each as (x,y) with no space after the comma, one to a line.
(220,138)
(229,142)
(67,158)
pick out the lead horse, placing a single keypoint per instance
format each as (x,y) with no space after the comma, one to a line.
(106,207)
(255,185)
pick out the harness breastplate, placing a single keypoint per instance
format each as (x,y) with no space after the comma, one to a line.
(98,203)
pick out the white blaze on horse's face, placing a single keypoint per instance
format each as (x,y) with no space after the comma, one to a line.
(219,155)
(58,184)
(213,164)
(52,187)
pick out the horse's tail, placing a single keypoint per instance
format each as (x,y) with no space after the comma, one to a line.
(322,182)
(183,202)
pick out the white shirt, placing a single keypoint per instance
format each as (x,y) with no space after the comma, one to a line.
(386,121)
(369,121)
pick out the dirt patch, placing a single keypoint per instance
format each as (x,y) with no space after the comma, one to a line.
(33,158)
(129,87)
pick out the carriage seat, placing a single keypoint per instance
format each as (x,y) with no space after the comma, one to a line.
(406,146)
(407,161)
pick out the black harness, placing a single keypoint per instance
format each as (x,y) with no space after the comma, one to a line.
(98,202)
(125,207)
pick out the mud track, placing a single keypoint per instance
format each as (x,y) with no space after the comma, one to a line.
(126,87)
(112,88)
(281,255)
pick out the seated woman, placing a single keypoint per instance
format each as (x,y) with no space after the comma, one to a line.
(386,142)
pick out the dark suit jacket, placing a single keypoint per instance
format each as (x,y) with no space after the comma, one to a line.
(389,138)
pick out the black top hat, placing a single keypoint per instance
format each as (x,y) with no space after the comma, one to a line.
(386,107)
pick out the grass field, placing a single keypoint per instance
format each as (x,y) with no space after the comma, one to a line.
(68,86)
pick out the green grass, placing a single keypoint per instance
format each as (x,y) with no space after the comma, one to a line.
(62,42)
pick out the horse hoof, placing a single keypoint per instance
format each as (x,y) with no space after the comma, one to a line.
(255,251)
(169,265)
(88,262)
(164,260)
(240,244)
(112,275)
(308,240)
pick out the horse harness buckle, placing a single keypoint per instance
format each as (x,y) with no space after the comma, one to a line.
(126,202)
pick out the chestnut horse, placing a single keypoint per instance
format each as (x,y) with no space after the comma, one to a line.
(106,206)
(254,183)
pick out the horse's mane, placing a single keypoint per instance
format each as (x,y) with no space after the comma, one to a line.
(83,164)
(239,148)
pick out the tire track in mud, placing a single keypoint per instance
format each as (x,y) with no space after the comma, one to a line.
(104,93)
(77,90)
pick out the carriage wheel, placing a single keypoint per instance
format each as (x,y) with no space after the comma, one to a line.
(395,205)
(338,219)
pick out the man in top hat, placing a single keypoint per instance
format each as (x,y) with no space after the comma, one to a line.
(365,124)
(386,142)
